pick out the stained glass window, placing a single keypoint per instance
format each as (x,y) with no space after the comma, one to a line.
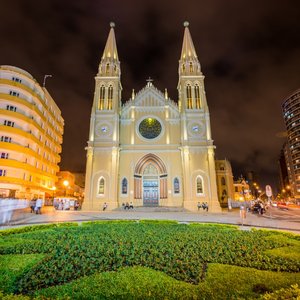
(176,186)
(189,96)
(150,128)
(101,186)
(199,185)
(124,186)
(102,97)
(197,96)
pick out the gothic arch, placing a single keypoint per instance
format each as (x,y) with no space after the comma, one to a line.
(138,175)
(147,159)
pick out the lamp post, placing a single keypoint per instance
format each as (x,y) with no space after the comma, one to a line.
(66,184)
(45,77)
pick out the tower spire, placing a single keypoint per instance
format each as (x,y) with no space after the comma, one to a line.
(188,63)
(110,64)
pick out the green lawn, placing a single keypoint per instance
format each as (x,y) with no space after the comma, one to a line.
(147,260)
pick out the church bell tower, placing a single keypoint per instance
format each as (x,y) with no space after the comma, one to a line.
(103,145)
(197,149)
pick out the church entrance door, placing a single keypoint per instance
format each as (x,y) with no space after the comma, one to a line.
(150,186)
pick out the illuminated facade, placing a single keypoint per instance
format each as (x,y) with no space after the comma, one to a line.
(31,128)
(151,151)
(224,182)
(291,114)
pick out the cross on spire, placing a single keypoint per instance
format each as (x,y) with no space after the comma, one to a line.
(149,81)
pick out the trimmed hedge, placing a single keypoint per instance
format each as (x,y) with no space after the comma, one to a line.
(179,250)
(222,282)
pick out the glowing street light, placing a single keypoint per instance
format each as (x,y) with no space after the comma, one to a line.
(66,184)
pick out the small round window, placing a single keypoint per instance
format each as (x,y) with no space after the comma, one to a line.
(150,128)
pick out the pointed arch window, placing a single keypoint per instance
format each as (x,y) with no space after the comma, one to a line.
(102,97)
(110,97)
(197,96)
(191,67)
(183,68)
(107,68)
(176,186)
(199,185)
(124,186)
(101,186)
(189,96)
(223,181)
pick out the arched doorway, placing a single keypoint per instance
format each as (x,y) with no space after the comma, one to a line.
(150,185)
(150,180)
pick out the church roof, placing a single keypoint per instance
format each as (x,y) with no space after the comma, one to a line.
(188,50)
(150,98)
(110,50)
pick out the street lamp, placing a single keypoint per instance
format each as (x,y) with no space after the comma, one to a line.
(66,184)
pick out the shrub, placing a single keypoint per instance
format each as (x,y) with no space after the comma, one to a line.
(178,250)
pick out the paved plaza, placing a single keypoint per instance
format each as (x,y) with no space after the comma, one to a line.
(275,218)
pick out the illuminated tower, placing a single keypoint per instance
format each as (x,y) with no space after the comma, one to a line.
(290,108)
(103,144)
(197,144)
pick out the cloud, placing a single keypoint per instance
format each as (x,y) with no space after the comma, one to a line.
(249,52)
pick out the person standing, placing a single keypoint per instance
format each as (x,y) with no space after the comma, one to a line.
(104,206)
(38,206)
(199,206)
(32,205)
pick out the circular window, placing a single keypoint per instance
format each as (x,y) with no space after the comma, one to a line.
(150,128)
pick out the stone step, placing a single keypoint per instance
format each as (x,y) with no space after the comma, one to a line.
(154,209)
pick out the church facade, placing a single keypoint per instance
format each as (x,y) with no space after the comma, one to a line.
(151,151)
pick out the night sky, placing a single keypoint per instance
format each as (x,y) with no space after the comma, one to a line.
(249,53)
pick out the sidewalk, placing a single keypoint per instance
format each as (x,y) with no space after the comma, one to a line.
(50,215)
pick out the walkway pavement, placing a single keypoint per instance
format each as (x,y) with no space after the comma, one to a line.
(274,219)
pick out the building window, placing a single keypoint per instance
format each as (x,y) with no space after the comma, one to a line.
(9,123)
(5,139)
(4,155)
(189,97)
(197,96)
(107,68)
(102,97)
(124,186)
(176,186)
(199,185)
(101,185)
(110,97)
(2,172)
(223,181)
(16,79)
(236,189)
(13,93)
(11,108)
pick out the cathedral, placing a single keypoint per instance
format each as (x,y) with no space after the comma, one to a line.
(151,151)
